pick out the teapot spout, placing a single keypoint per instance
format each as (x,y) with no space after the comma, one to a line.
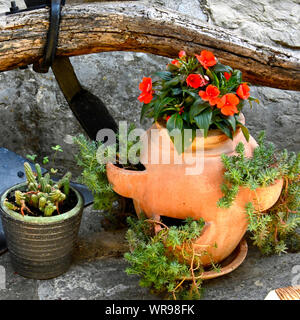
(127,183)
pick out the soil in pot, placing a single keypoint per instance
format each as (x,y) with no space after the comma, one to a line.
(131,167)
(66,206)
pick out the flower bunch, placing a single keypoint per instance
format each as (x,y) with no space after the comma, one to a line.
(196,92)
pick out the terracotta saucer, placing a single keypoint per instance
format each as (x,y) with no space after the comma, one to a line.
(230,263)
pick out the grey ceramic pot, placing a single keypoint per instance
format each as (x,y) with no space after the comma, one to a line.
(41,247)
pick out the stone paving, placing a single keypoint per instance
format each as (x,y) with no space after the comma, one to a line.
(97,273)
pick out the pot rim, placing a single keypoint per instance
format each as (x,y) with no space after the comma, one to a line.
(40,220)
(110,165)
(269,186)
(214,139)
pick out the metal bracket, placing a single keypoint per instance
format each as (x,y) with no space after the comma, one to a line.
(50,49)
(44,64)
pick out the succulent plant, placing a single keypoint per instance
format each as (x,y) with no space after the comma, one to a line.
(42,192)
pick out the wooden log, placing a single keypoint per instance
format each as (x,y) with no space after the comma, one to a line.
(132,26)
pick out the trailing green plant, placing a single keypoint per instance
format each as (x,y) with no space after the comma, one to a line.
(275,230)
(166,260)
(42,193)
(261,170)
(94,174)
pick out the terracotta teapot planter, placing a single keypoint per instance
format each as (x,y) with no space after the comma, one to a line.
(166,190)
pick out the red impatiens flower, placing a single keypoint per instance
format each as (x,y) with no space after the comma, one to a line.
(228,104)
(227,75)
(146,84)
(210,94)
(167,118)
(181,54)
(206,58)
(181,110)
(146,88)
(243,91)
(176,62)
(195,81)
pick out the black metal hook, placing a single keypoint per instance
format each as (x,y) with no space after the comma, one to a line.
(52,38)
(50,49)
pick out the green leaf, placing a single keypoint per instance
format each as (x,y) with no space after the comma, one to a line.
(45,160)
(250,99)
(219,67)
(57,148)
(188,101)
(224,128)
(171,67)
(209,74)
(186,116)
(222,82)
(245,131)
(193,94)
(176,91)
(175,122)
(232,122)
(203,120)
(197,107)
(216,113)
(171,83)
(215,80)
(164,93)
(172,108)
(241,105)
(145,109)
(185,141)
(236,76)
(158,106)
(31,157)
(165,75)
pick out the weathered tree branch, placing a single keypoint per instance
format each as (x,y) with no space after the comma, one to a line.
(132,26)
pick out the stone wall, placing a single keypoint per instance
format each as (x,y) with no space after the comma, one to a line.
(35,116)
